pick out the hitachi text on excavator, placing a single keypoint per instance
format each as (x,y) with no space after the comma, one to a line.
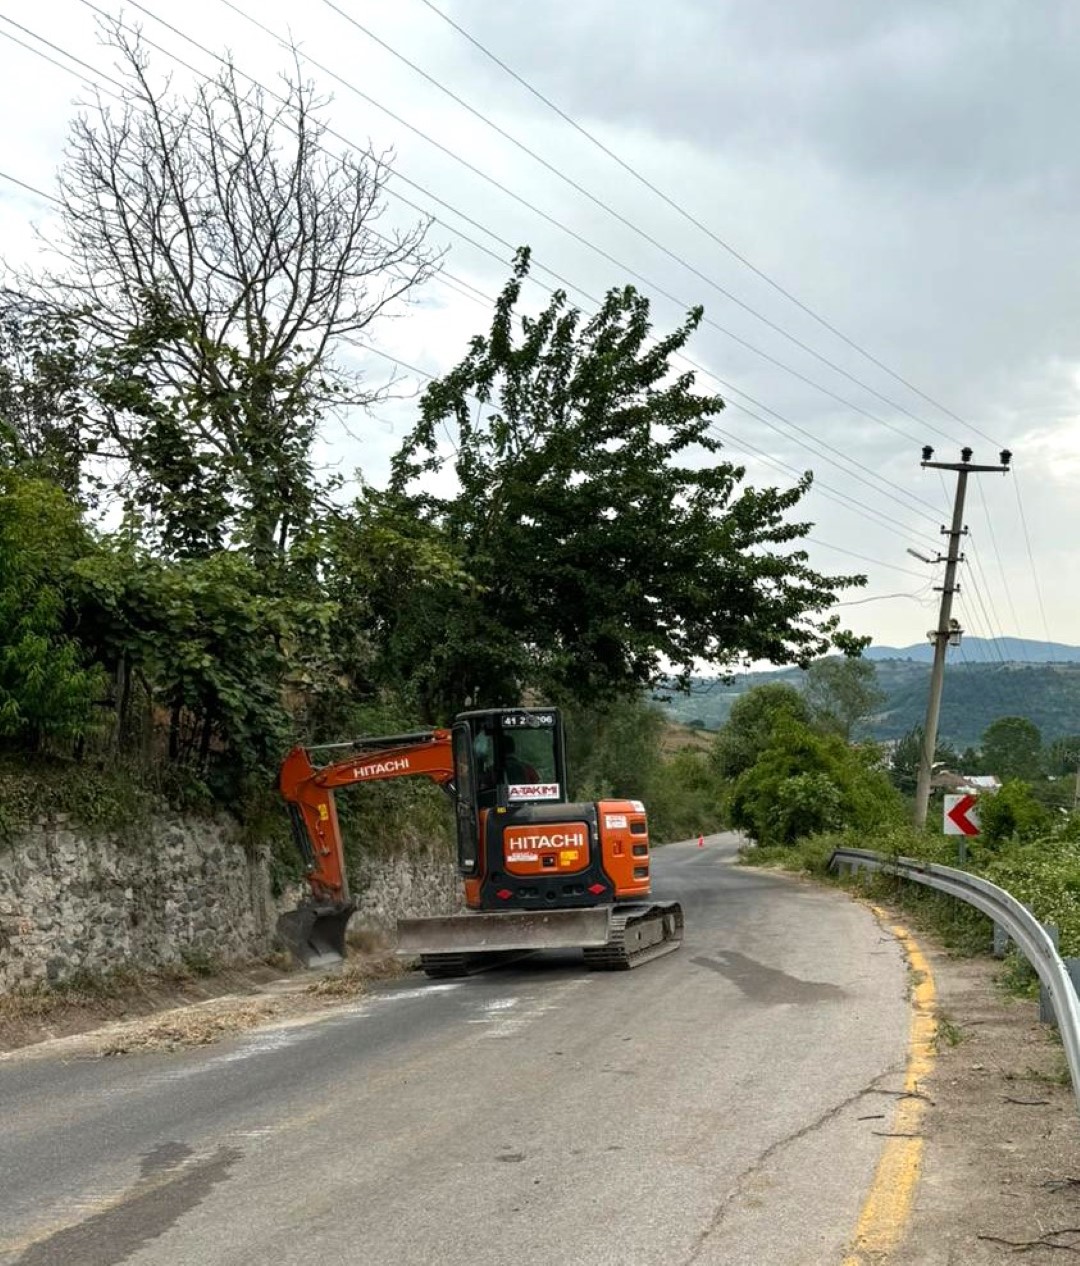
(539,872)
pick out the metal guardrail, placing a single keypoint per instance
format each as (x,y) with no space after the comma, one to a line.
(1033,940)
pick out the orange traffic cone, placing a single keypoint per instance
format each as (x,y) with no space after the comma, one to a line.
(701,841)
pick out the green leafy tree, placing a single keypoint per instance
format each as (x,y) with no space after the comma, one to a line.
(211,648)
(1061,758)
(970,760)
(752,723)
(805,782)
(1012,748)
(47,686)
(613,749)
(841,691)
(1012,813)
(602,547)
(42,395)
(685,797)
(907,754)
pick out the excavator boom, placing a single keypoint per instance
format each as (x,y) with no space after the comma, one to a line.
(315,931)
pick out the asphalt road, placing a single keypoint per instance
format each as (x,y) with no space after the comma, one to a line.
(718,1105)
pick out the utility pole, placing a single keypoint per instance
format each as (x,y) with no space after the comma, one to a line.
(948,631)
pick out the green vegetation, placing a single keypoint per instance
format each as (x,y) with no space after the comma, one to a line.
(800,792)
(841,692)
(1042,872)
(975,695)
(184,593)
(788,771)
(1012,748)
(805,782)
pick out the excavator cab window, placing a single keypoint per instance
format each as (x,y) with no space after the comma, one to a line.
(465,800)
(518,756)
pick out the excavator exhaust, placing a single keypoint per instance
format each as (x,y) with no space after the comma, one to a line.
(315,934)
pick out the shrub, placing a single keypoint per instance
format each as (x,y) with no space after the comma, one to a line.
(1012,814)
(805,782)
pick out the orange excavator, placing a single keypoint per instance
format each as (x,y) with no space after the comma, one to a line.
(539,872)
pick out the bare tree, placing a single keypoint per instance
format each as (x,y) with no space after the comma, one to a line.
(217,254)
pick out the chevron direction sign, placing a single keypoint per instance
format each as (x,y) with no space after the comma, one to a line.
(961,815)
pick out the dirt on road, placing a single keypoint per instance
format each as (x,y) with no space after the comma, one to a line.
(154,1012)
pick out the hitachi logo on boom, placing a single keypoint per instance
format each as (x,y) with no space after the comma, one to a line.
(558,839)
(382,767)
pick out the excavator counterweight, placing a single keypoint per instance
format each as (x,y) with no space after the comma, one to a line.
(539,872)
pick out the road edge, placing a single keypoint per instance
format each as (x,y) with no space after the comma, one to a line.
(887,1208)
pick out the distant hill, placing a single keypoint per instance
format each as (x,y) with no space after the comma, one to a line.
(975,694)
(983,650)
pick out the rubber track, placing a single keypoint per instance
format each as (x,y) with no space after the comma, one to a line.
(614,956)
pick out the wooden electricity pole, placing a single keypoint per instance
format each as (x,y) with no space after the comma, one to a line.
(947,629)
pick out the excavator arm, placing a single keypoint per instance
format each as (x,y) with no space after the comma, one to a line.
(315,932)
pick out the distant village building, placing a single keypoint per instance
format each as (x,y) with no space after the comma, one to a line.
(965,784)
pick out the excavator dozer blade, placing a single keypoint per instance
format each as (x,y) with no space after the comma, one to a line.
(315,935)
(510,930)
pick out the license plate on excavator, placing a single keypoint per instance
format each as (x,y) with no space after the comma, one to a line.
(505,930)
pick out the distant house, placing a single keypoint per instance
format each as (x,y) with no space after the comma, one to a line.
(965,784)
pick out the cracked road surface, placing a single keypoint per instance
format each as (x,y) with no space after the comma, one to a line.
(724,1104)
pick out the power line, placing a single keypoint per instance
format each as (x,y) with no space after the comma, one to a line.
(840,549)
(257,83)
(678,207)
(544,215)
(737,443)
(615,214)
(983,587)
(38,53)
(1034,569)
(915,596)
(813,444)
(422,373)
(562,227)
(14,180)
(648,237)
(681,210)
(729,387)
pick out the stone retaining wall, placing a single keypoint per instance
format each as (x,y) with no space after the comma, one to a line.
(185,892)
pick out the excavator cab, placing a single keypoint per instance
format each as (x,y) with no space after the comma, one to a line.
(518,755)
(503,757)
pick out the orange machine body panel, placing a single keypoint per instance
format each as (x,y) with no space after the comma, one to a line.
(547,849)
(564,848)
(624,847)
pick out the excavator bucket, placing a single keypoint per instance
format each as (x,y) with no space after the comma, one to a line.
(314,934)
(516,930)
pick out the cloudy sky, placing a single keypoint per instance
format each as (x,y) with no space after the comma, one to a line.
(909,173)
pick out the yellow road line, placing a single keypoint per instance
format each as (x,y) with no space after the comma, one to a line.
(887,1207)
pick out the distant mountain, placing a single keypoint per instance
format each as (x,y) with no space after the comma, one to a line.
(983,650)
(975,694)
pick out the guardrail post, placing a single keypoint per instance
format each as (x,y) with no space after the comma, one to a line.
(1001,941)
(1072,965)
(1046,1007)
